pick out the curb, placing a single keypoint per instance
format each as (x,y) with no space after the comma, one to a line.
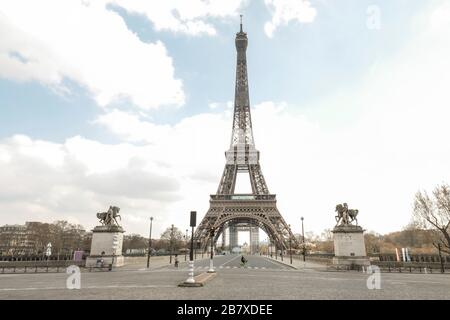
(200,280)
(284,263)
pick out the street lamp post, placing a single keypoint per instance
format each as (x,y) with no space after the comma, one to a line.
(149,243)
(190,278)
(211,263)
(171,244)
(303,241)
(185,240)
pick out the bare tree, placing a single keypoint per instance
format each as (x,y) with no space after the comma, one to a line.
(175,238)
(434,213)
(134,241)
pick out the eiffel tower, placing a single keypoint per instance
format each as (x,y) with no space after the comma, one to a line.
(229,210)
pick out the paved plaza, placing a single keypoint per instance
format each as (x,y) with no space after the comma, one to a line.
(264,278)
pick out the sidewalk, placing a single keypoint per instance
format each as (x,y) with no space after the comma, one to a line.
(299,264)
(140,263)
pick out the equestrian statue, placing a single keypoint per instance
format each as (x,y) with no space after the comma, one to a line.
(345,216)
(108,218)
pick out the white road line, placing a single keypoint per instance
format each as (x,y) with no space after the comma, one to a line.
(234,258)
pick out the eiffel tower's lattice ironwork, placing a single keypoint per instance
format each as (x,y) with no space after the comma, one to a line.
(227,208)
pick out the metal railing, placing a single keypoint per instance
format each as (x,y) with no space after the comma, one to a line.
(38,266)
(395,267)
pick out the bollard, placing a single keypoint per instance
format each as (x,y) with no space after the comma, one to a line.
(190,278)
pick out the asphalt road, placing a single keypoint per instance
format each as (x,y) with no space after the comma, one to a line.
(233,262)
(264,279)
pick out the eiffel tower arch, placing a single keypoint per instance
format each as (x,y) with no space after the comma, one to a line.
(229,210)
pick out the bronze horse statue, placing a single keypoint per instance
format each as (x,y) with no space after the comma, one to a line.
(345,215)
(109,218)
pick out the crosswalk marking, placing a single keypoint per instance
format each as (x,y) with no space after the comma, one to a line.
(202,268)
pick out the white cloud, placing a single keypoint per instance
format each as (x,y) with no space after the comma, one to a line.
(220,105)
(189,17)
(86,177)
(284,11)
(50,41)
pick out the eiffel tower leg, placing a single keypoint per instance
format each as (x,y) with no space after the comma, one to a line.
(234,241)
(224,237)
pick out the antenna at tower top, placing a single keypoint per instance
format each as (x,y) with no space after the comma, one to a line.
(241,23)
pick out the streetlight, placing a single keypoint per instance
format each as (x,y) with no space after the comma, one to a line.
(149,243)
(171,244)
(186,245)
(211,265)
(290,245)
(191,279)
(303,236)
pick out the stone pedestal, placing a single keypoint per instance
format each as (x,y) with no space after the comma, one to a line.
(349,247)
(107,246)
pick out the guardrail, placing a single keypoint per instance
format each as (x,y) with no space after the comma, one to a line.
(412,267)
(396,267)
(37,266)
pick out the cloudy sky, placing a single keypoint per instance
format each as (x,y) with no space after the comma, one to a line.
(128,102)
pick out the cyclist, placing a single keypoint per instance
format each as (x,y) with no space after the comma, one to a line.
(243,261)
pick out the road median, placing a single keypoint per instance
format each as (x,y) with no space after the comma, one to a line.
(200,280)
